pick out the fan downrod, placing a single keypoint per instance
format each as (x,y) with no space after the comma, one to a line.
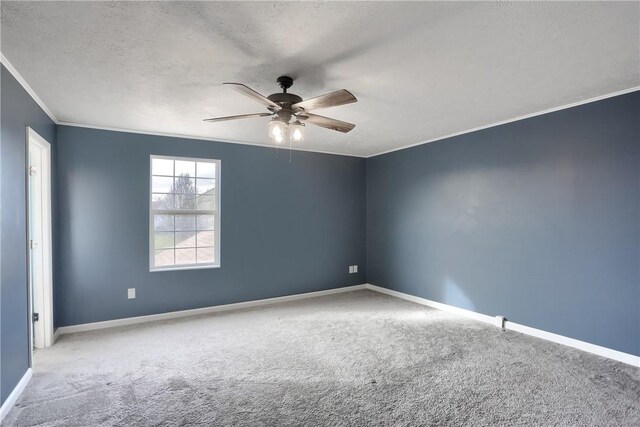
(285,82)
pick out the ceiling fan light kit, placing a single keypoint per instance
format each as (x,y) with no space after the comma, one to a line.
(296,131)
(291,113)
(277,130)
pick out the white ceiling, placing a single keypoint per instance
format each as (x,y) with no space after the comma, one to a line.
(419,70)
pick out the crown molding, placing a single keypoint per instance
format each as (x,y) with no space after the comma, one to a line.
(44,107)
(515,119)
(52,116)
(28,88)
(283,147)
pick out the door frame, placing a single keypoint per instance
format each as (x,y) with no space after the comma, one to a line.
(33,139)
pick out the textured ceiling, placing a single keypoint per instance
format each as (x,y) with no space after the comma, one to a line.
(419,70)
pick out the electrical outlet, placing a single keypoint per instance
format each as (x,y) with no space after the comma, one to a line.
(131,293)
(500,322)
(350,269)
(355,268)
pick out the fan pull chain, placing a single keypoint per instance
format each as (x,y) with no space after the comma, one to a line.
(289,149)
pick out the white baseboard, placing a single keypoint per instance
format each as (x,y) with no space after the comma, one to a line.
(549,336)
(571,342)
(15,394)
(198,311)
(440,306)
(538,333)
(56,335)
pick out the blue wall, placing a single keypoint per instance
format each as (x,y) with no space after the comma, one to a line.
(537,220)
(18,111)
(287,228)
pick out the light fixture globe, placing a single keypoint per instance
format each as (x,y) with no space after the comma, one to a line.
(296,131)
(276,128)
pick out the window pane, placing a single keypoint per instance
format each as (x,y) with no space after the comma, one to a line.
(162,167)
(206,185)
(206,202)
(186,168)
(184,185)
(185,201)
(185,239)
(206,170)
(162,184)
(163,239)
(206,238)
(163,257)
(205,222)
(205,255)
(185,256)
(162,201)
(185,222)
(163,222)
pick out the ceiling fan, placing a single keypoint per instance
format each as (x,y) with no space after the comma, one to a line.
(290,113)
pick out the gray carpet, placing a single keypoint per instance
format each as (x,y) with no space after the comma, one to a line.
(359,358)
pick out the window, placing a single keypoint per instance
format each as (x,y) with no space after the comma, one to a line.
(184,213)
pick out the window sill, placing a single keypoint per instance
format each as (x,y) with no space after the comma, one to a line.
(186,267)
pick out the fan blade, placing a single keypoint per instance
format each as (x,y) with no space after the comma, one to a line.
(241,116)
(333,99)
(247,91)
(326,122)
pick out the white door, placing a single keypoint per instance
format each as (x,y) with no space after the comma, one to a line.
(39,241)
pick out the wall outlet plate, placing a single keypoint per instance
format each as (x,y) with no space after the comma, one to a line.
(500,321)
(355,268)
(350,269)
(131,293)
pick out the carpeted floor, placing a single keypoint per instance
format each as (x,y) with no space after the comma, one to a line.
(358,358)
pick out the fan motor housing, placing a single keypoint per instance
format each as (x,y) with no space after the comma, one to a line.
(285,98)
(288,99)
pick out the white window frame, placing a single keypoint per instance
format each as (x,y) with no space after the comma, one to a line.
(217,211)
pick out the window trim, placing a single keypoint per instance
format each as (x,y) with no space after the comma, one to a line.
(218,203)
